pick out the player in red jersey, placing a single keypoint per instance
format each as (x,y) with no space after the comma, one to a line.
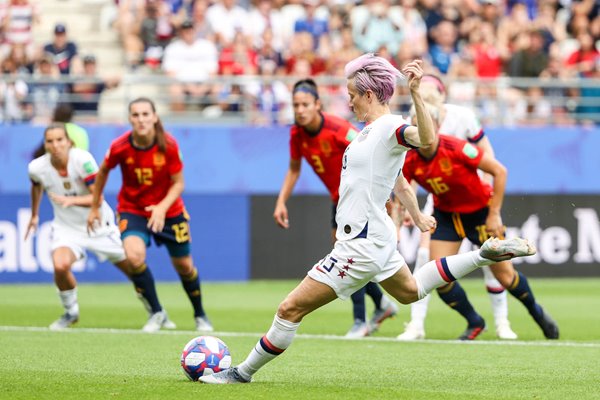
(321,139)
(467,206)
(149,203)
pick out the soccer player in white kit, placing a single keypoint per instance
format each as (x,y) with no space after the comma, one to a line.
(67,175)
(462,123)
(365,249)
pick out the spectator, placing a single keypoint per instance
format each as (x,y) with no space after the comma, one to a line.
(23,64)
(17,18)
(86,92)
(13,92)
(201,24)
(482,47)
(63,51)
(302,48)
(261,18)
(225,18)
(238,58)
(270,98)
(588,109)
(582,61)
(130,16)
(414,29)
(378,29)
(153,42)
(190,62)
(47,91)
(317,27)
(267,53)
(530,60)
(444,47)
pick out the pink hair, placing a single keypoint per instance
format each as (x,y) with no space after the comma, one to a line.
(374,73)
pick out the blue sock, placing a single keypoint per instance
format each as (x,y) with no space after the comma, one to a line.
(191,285)
(374,291)
(454,295)
(358,305)
(521,290)
(143,281)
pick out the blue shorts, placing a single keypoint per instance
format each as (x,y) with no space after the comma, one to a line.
(454,227)
(175,235)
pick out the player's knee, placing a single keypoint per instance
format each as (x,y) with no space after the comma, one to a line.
(289,311)
(61,267)
(136,258)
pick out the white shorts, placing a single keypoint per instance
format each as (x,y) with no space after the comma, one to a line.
(107,245)
(353,263)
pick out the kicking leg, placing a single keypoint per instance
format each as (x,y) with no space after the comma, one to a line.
(305,298)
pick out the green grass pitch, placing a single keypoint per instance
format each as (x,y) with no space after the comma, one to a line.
(106,357)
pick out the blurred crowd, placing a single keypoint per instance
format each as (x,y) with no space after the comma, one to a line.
(469,43)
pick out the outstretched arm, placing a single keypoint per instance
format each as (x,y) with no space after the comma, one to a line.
(424,135)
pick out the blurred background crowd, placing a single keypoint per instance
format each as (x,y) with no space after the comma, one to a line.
(513,61)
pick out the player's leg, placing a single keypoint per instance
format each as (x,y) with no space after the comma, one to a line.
(415,328)
(384,306)
(499,302)
(136,239)
(407,288)
(359,327)
(517,284)
(63,258)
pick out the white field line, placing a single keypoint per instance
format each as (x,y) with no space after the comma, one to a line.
(302,336)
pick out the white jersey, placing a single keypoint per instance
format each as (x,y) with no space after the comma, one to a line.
(370,167)
(461,122)
(81,168)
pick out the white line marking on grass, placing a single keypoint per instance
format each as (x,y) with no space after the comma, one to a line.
(548,343)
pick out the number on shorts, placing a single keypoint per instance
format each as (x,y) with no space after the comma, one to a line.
(182,232)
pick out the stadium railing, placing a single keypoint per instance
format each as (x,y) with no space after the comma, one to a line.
(501,102)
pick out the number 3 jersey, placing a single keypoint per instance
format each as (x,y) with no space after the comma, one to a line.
(370,167)
(81,172)
(146,174)
(324,149)
(450,175)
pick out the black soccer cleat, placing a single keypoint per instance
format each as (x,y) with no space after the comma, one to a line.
(473,331)
(547,324)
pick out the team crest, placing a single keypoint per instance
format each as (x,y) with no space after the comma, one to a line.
(446,166)
(419,171)
(159,160)
(67,185)
(129,161)
(325,147)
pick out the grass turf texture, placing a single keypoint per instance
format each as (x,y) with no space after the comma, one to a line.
(127,364)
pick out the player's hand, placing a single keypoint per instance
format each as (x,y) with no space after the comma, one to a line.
(32,226)
(93,220)
(156,222)
(281,216)
(413,72)
(494,226)
(64,201)
(426,223)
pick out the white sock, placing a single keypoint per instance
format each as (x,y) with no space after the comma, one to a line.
(436,273)
(277,339)
(68,298)
(418,309)
(497,295)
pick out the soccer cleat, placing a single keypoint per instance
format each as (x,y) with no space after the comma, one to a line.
(412,331)
(168,324)
(501,250)
(155,322)
(472,332)
(359,330)
(203,324)
(228,376)
(504,331)
(388,310)
(548,325)
(65,321)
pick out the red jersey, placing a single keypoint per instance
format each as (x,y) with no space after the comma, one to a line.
(324,150)
(450,175)
(146,174)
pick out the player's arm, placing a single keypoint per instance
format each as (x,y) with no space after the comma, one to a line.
(68,201)
(423,134)
(36,198)
(97,188)
(289,182)
(498,171)
(408,198)
(485,145)
(156,222)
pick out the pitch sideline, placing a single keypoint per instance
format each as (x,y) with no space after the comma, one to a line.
(304,336)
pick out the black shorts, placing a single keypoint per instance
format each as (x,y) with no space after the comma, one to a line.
(175,235)
(454,227)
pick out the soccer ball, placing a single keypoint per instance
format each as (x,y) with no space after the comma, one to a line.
(204,355)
